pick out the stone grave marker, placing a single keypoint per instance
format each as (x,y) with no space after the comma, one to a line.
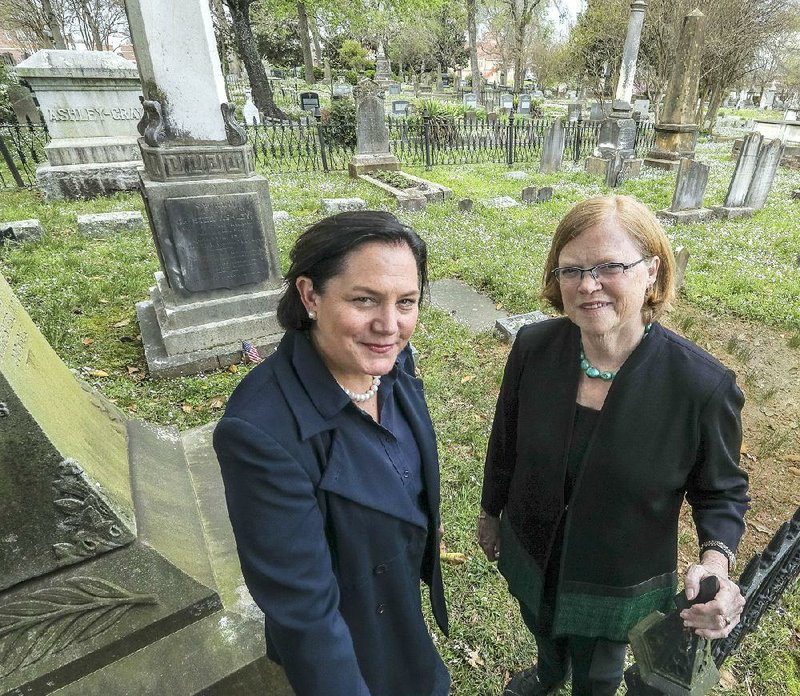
(108,224)
(681,262)
(574,111)
(394,89)
(491,118)
(470,117)
(342,89)
(24,105)
(525,104)
(641,106)
(470,101)
(372,138)
(465,304)
(252,116)
(529,194)
(465,205)
(596,113)
(516,175)
(400,107)
(506,102)
(21,230)
(209,211)
(103,553)
(687,198)
(545,194)
(769,158)
(90,101)
(734,205)
(553,148)
(309,101)
(331,206)
(509,327)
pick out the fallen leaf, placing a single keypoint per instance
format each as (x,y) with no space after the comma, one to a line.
(97,373)
(126,339)
(133,408)
(794,470)
(727,680)
(217,403)
(474,659)
(759,527)
(122,323)
(499,305)
(87,341)
(103,301)
(792,458)
(233,368)
(133,370)
(186,408)
(453,558)
(467,378)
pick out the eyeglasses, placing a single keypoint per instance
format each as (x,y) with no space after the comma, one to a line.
(603,272)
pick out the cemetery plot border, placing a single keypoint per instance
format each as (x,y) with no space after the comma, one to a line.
(21,151)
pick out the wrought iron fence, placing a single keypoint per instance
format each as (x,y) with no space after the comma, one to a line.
(21,151)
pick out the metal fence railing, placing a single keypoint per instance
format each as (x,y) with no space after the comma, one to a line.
(21,151)
(306,143)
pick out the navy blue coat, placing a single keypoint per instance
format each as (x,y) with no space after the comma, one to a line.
(329,549)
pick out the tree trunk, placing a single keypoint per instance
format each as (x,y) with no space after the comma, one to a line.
(91,25)
(472,30)
(312,23)
(305,42)
(519,44)
(259,84)
(713,106)
(52,23)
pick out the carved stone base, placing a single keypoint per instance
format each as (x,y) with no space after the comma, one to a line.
(720,211)
(81,181)
(612,170)
(697,215)
(91,150)
(363,164)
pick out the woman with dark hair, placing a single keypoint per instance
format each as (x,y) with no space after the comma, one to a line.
(331,476)
(606,421)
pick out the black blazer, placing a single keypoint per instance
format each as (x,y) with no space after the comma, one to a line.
(326,546)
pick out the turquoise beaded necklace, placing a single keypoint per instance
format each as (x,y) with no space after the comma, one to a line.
(605,375)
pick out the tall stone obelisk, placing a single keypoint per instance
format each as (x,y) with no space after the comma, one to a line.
(676,132)
(613,159)
(209,211)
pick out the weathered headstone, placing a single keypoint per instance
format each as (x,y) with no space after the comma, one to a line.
(465,304)
(331,206)
(516,175)
(553,148)
(209,211)
(676,131)
(108,224)
(596,113)
(545,194)
(574,111)
(252,116)
(641,107)
(681,262)
(769,157)
(342,89)
(21,230)
(372,138)
(506,102)
(465,205)
(309,101)
(103,553)
(470,101)
(734,205)
(394,89)
(400,107)
(529,194)
(24,105)
(90,103)
(509,327)
(525,104)
(687,199)
(501,202)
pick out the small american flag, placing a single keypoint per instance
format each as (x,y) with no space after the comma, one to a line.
(250,353)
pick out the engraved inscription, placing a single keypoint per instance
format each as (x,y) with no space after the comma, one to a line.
(218,240)
(13,340)
(51,619)
(99,113)
(6,322)
(93,525)
(4,410)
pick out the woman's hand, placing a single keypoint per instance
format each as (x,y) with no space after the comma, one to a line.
(488,534)
(714,619)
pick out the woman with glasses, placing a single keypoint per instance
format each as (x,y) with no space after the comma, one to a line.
(605,422)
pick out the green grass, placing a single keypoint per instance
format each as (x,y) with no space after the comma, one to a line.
(77,289)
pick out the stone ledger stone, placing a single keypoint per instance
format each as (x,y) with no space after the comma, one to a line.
(465,304)
(509,327)
(501,202)
(108,224)
(331,206)
(21,230)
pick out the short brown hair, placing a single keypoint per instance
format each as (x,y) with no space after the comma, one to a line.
(644,230)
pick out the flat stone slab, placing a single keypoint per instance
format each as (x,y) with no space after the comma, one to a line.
(720,211)
(21,230)
(510,326)
(340,205)
(501,202)
(465,304)
(109,224)
(687,216)
(516,176)
(280,216)
(465,205)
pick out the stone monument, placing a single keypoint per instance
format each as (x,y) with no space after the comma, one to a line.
(372,138)
(613,159)
(553,148)
(107,583)
(90,103)
(383,70)
(687,199)
(676,133)
(209,212)
(24,105)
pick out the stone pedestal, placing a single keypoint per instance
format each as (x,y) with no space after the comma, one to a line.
(673,143)
(372,138)
(364,164)
(613,170)
(90,103)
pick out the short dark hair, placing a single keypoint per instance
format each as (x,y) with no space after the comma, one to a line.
(320,253)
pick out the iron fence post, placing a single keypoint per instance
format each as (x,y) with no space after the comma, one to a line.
(321,136)
(578,128)
(510,138)
(426,117)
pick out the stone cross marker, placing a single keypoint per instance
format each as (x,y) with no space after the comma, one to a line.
(372,138)
(687,199)
(553,148)
(676,132)
(209,211)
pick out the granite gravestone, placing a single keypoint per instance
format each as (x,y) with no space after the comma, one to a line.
(596,113)
(106,579)
(470,101)
(309,101)
(400,107)
(525,104)
(506,102)
(372,138)
(574,112)
(91,105)
(687,199)
(24,105)
(734,205)
(394,89)
(553,148)
(769,157)
(209,211)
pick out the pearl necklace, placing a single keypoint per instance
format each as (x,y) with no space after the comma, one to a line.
(605,375)
(364,396)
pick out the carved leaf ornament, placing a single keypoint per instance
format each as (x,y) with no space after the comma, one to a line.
(51,619)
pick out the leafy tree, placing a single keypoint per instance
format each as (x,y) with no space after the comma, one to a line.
(352,55)
(6,112)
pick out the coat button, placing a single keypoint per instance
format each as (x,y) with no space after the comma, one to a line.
(380,609)
(380,569)
(406,474)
